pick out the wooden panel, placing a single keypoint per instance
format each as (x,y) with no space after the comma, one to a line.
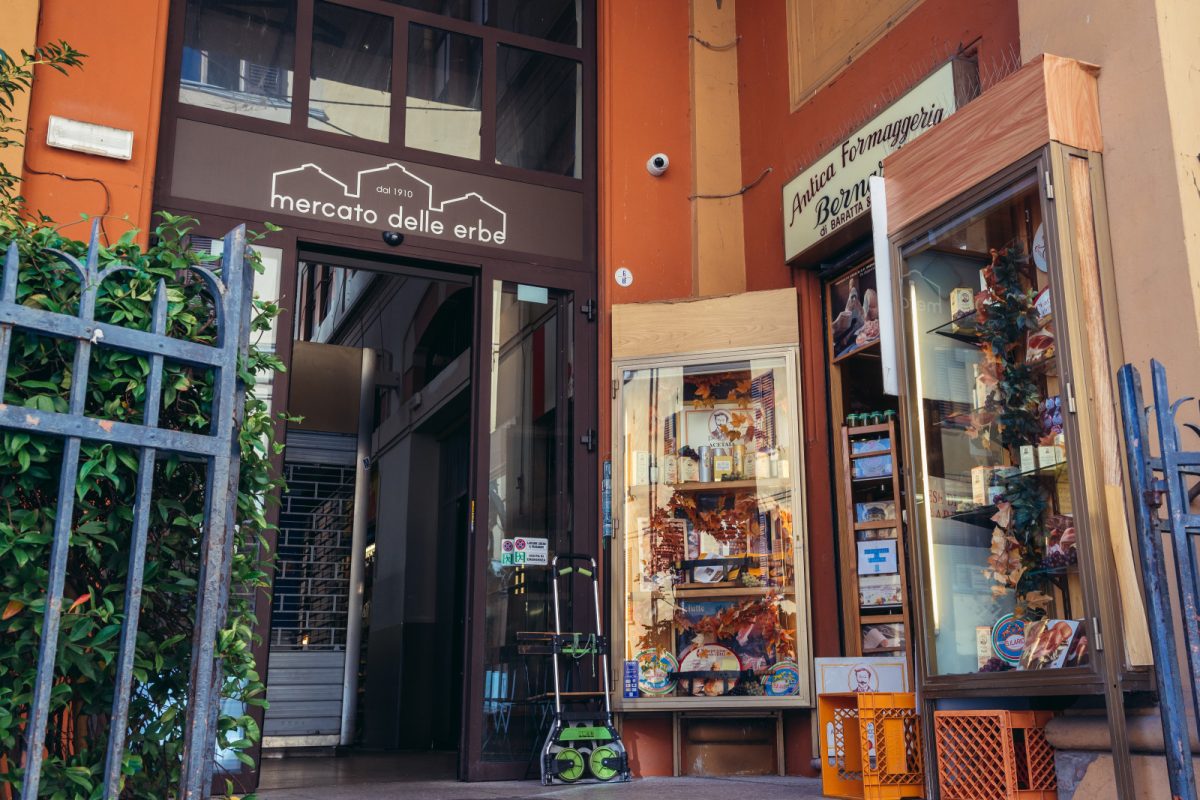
(750,319)
(1003,125)
(1049,99)
(1102,409)
(1073,103)
(824,38)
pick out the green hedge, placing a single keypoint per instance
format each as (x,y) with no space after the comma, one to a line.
(40,376)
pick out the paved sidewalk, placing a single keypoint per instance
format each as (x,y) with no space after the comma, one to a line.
(383,778)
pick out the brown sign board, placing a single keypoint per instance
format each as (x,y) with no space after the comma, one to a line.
(288,180)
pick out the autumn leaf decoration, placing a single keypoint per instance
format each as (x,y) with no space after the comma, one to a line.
(739,426)
(759,617)
(1005,564)
(707,390)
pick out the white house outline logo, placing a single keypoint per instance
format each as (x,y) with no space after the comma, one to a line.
(405,204)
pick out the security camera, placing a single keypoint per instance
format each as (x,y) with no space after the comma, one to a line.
(393,238)
(657,164)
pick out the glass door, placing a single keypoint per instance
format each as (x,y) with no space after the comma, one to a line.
(529,459)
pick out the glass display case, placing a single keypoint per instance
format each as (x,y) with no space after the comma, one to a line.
(711,607)
(989,404)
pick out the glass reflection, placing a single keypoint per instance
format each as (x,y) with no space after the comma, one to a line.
(993,495)
(555,20)
(524,499)
(444,96)
(538,111)
(350,90)
(237,57)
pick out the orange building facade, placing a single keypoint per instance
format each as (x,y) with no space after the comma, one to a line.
(745,100)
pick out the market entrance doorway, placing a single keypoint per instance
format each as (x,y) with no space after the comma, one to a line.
(439,416)
(369,600)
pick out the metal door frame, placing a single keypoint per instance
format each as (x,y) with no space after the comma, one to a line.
(583,496)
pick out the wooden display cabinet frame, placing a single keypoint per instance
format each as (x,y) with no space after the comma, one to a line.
(1042,120)
(657,335)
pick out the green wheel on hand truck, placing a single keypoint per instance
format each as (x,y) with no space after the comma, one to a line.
(570,764)
(596,764)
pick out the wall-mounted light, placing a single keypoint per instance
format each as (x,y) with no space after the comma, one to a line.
(86,137)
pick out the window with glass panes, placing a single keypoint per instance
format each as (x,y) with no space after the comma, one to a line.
(493,81)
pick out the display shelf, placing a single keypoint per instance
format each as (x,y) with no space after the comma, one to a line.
(877,525)
(878,651)
(855,456)
(971,516)
(961,420)
(968,335)
(731,591)
(863,430)
(720,417)
(746,483)
(768,486)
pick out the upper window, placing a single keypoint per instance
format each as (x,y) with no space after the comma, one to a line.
(556,20)
(444,108)
(239,57)
(350,91)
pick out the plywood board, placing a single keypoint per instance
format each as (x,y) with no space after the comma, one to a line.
(1049,99)
(749,319)
(1103,411)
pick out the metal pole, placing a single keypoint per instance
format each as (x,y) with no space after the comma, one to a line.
(358,545)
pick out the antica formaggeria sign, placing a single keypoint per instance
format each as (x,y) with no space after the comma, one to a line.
(833,191)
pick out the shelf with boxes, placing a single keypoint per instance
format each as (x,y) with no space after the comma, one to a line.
(875,570)
(713,612)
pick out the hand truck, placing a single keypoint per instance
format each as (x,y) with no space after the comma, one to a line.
(580,743)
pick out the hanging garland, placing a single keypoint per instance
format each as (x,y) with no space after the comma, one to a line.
(1006,314)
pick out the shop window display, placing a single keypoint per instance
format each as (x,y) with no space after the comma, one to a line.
(993,493)
(711,547)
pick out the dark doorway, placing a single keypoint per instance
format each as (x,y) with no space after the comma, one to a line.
(368,612)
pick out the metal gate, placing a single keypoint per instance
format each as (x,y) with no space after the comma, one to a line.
(231,294)
(1176,467)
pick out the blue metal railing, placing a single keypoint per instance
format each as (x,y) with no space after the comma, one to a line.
(231,296)
(1153,479)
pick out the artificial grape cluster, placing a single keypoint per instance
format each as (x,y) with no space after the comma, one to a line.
(1058,560)
(749,688)
(996,664)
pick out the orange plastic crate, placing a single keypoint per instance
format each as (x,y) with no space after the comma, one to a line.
(890,730)
(841,749)
(994,755)
(871,746)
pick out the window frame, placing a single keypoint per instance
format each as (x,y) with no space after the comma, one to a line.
(297,128)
